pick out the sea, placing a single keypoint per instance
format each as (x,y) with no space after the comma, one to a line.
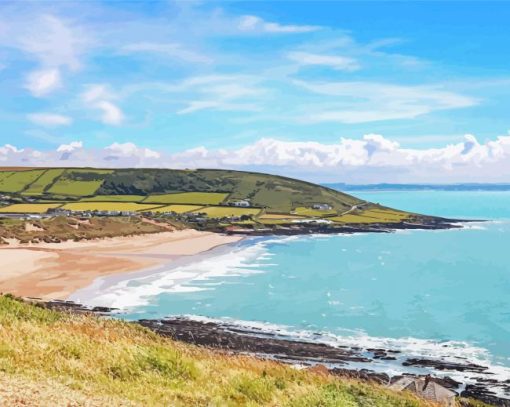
(442,294)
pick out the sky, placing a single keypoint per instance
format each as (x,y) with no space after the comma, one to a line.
(336,91)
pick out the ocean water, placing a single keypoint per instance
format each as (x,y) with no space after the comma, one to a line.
(428,293)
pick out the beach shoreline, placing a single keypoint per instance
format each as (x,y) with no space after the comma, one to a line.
(57,270)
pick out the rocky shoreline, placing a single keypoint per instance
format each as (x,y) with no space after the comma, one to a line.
(346,361)
(431,223)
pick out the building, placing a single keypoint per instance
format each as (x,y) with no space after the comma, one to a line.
(426,388)
(322,207)
(244,203)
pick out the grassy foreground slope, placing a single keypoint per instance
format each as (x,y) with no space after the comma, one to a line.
(52,358)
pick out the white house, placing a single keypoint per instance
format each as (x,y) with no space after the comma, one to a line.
(322,207)
(244,203)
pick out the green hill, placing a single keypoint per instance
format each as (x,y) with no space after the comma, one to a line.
(263,200)
(270,191)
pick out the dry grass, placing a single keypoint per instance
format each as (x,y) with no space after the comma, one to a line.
(67,359)
(62,228)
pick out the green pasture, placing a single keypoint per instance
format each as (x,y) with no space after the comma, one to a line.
(29,208)
(40,184)
(16,181)
(108,206)
(203,198)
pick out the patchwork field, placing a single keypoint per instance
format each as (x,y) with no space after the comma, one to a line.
(114,198)
(205,198)
(16,181)
(313,212)
(108,206)
(78,182)
(275,200)
(227,211)
(40,184)
(29,208)
(372,216)
(279,216)
(177,208)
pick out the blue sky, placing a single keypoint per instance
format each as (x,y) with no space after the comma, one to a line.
(171,77)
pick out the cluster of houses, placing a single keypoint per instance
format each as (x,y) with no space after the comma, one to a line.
(322,207)
(191,217)
(67,212)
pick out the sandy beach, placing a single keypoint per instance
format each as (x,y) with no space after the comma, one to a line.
(56,270)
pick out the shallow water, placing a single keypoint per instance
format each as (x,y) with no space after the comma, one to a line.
(413,290)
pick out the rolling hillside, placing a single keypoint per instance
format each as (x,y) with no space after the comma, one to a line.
(260,199)
(274,192)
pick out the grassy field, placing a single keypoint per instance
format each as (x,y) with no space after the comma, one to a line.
(46,179)
(386,214)
(108,206)
(372,215)
(313,212)
(203,198)
(114,198)
(78,182)
(64,359)
(29,208)
(16,181)
(279,216)
(177,208)
(227,211)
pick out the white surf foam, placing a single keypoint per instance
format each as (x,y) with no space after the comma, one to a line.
(129,291)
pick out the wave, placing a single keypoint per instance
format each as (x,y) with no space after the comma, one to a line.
(139,289)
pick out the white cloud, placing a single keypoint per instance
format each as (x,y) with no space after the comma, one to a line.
(72,146)
(371,159)
(43,82)
(100,97)
(111,114)
(251,23)
(360,102)
(219,92)
(54,43)
(129,150)
(49,119)
(339,63)
(171,50)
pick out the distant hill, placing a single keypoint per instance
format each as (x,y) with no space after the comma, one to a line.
(419,187)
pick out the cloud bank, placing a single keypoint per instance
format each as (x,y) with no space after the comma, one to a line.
(371,159)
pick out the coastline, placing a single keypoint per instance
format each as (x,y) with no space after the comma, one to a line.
(57,270)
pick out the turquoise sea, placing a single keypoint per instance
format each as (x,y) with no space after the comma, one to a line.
(428,293)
